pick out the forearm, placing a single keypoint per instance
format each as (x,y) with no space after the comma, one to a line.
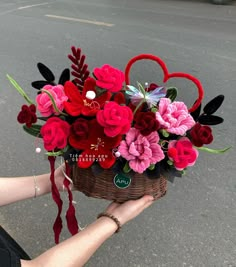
(19,188)
(76,251)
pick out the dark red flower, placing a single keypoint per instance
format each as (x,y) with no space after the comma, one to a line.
(97,147)
(79,131)
(119,98)
(55,133)
(151,87)
(146,122)
(201,134)
(27,115)
(78,102)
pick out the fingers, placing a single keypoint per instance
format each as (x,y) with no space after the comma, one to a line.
(145,200)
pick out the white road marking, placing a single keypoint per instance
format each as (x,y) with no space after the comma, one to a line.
(24,7)
(82,20)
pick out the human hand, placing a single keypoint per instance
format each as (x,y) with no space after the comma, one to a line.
(59,177)
(130,209)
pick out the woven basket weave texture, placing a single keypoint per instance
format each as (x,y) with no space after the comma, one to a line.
(102,185)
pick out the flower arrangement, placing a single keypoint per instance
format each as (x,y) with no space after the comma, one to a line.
(102,122)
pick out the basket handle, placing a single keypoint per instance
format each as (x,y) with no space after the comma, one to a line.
(167,75)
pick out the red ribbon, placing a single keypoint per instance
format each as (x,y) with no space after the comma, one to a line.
(167,75)
(57,227)
(72,223)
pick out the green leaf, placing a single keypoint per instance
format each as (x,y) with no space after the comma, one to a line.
(55,154)
(164,133)
(213,151)
(33,130)
(151,167)
(154,110)
(126,168)
(19,89)
(141,88)
(169,162)
(172,93)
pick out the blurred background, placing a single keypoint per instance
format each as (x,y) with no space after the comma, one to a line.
(195,223)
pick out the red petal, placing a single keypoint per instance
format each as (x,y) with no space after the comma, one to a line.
(89,85)
(79,144)
(72,92)
(103,98)
(85,162)
(108,162)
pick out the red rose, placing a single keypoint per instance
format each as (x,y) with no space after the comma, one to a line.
(109,78)
(55,133)
(146,122)
(182,153)
(79,131)
(201,135)
(115,119)
(27,115)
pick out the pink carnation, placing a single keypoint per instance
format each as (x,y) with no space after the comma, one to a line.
(141,151)
(174,117)
(44,104)
(182,153)
(109,78)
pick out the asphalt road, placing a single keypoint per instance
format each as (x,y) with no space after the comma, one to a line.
(195,223)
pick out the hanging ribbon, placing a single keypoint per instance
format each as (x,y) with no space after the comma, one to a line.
(57,227)
(72,223)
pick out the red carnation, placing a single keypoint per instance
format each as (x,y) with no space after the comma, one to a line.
(115,119)
(201,135)
(55,133)
(27,115)
(146,122)
(79,131)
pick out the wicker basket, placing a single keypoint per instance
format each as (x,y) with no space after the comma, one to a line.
(104,185)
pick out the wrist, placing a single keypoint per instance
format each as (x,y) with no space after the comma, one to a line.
(107,223)
(112,218)
(42,184)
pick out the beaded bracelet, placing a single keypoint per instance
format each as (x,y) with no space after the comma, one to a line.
(105,214)
(36,188)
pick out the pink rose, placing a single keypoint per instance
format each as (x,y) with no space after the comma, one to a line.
(174,117)
(115,119)
(44,104)
(182,153)
(141,151)
(55,133)
(109,78)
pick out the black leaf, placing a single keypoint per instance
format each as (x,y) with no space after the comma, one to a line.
(155,173)
(96,169)
(210,120)
(40,84)
(65,76)
(46,72)
(172,93)
(213,105)
(195,114)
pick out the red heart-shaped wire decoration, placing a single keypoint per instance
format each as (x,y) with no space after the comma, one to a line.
(167,76)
